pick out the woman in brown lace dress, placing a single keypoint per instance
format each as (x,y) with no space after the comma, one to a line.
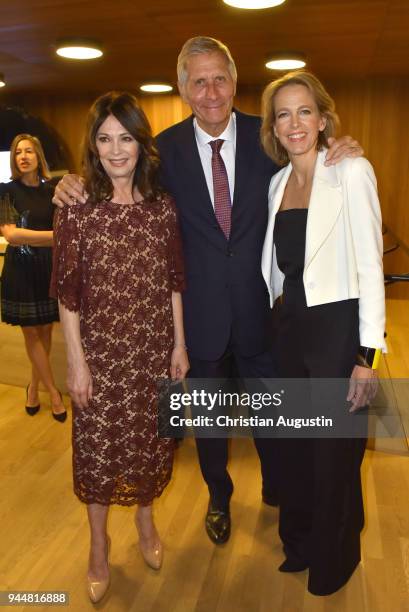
(118,275)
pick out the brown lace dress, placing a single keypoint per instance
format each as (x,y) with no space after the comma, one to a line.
(117,265)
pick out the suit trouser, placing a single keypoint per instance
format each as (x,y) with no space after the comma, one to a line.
(213,452)
(321,508)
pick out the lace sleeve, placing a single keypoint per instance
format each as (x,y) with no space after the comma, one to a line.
(66,276)
(176,266)
(8,214)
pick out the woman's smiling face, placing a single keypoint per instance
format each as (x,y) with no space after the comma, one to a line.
(297,119)
(118,150)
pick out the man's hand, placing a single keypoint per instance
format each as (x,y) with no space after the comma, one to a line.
(342,147)
(363,386)
(69,190)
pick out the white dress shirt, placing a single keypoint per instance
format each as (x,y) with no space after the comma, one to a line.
(228,153)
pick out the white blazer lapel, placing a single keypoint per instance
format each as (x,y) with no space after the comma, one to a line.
(275,196)
(324,207)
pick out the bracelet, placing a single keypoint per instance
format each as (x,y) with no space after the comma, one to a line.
(368,357)
(180,344)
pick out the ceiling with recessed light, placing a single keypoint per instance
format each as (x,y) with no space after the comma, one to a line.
(141,40)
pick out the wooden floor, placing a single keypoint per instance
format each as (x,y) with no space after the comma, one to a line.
(44,537)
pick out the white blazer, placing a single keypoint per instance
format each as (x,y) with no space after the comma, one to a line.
(344,248)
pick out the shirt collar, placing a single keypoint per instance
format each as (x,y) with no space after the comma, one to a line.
(229,133)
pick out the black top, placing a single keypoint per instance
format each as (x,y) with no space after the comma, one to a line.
(26,273)
(289,239)
(33,204)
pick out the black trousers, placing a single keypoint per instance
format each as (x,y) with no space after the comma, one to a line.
(321,509)
(213,452)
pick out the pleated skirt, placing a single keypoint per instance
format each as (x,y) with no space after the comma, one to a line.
(25,285)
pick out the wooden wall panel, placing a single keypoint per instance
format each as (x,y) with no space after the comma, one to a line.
(165,111)
(372,110)
(141,39)
(67,115)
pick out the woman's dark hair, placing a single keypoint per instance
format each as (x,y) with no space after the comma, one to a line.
(125,108)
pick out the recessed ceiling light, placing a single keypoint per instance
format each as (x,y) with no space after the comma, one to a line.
(253,4)
(79,49)
(286,61)
(156,87)
(2,80)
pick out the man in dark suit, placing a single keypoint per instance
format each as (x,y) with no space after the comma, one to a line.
(213,165)
(226,311)
(223,216)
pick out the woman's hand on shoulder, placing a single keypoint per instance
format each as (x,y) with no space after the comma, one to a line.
(179,363)
(79,384)
(363,386)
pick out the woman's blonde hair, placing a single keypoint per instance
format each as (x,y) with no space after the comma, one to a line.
(43,170)
(325,104)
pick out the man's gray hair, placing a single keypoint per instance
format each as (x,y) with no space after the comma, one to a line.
(203,44)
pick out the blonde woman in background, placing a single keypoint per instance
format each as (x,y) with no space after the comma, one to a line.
(26,221)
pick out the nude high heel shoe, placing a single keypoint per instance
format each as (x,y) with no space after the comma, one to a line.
(97,588)
(153,555)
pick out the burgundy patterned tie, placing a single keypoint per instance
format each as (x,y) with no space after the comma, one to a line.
(222,202)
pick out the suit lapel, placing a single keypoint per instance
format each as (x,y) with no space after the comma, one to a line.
(278,198)
(274,205)
(193,166)
(244,161)
(324,208)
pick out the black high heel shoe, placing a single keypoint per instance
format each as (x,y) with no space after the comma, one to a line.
(31,410)
(61,417)
(291,565)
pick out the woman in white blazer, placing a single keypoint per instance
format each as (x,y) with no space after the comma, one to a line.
(323,255)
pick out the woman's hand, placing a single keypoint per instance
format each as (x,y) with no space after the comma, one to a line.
(18,236)
(79,383)
(179,363)
(363,386)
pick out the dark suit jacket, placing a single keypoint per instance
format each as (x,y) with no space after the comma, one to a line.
(226,297)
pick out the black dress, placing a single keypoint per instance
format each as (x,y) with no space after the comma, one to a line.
(26,273)
(321,509)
